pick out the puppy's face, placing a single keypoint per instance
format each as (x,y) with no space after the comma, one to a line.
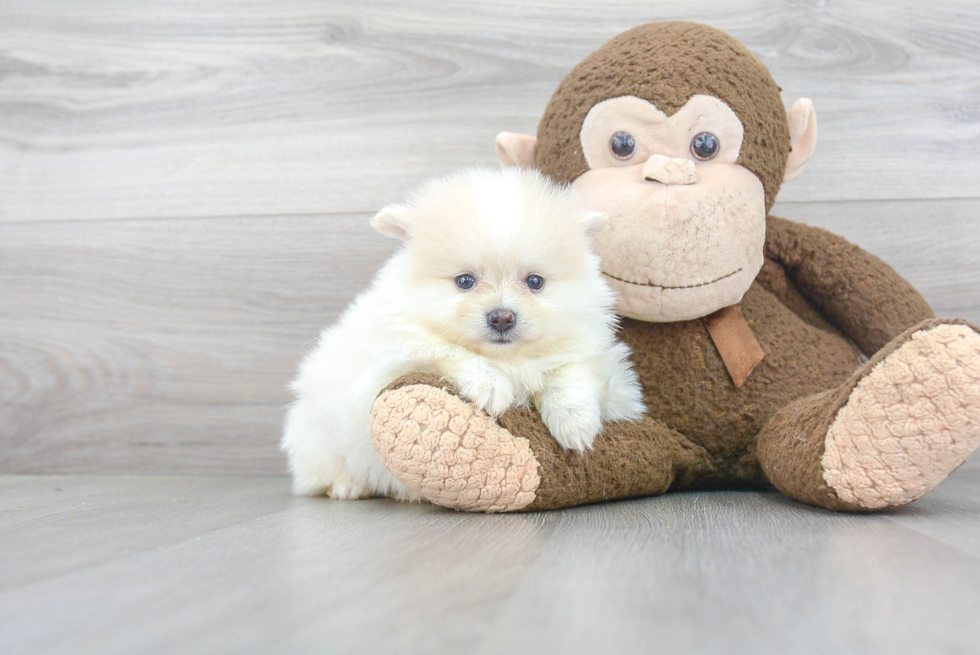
(500,262)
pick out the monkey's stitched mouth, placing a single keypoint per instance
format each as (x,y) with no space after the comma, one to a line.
(686,286)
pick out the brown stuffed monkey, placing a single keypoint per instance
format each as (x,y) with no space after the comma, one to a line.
(770,352)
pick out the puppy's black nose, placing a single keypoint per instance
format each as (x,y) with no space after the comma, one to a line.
(501,320)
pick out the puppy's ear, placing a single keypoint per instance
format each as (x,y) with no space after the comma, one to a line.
(516,150)
(592,223)
(394,221)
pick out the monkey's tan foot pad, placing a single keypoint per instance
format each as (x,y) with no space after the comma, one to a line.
(909,422)
(441,448)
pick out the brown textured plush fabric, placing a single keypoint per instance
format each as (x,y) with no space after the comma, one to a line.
(816,305)
(703,432)
(852,288)
(735,342)
(705,429)
(420,378)
(910,421)
(667,63)
(687,386)
(631,459)
(791,446)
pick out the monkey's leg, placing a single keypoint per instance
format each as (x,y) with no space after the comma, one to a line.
(904,421)
(437,445)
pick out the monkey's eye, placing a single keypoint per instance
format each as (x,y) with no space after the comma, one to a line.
(705,146)
(623,145)
(465,281)
(534,282)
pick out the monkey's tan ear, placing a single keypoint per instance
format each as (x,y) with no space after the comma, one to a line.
(394,221)
(802,119)
(516,150)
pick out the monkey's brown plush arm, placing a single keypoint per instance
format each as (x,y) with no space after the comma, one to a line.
(860,294)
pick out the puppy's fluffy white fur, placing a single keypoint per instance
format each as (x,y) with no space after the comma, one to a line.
(500,227)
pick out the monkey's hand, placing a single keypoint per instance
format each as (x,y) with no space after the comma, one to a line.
(570,407)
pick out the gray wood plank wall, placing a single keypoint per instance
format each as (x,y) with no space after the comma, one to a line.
(184,187)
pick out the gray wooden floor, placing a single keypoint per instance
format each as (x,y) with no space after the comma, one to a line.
(185,187)
(184,195)
(223,565)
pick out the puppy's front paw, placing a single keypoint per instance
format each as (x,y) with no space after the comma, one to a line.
(349,490)
(488,390)
(492,396)
(575,427)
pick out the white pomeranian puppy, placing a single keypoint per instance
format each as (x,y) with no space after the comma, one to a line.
(496,289)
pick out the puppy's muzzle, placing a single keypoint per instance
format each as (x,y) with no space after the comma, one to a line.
(501,319)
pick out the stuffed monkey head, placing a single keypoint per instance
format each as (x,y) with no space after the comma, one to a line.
(678,133)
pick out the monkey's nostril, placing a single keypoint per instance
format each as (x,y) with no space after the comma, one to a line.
(501,320)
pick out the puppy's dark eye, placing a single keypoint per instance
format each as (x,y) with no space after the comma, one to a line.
(465,281)
(534,282)
(623,145)
(705,146)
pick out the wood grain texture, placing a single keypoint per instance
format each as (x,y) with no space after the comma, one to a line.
(184,188)
(165,346)
(149,346)
(184,195)
(933,244)
(193,565)
(177,109)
